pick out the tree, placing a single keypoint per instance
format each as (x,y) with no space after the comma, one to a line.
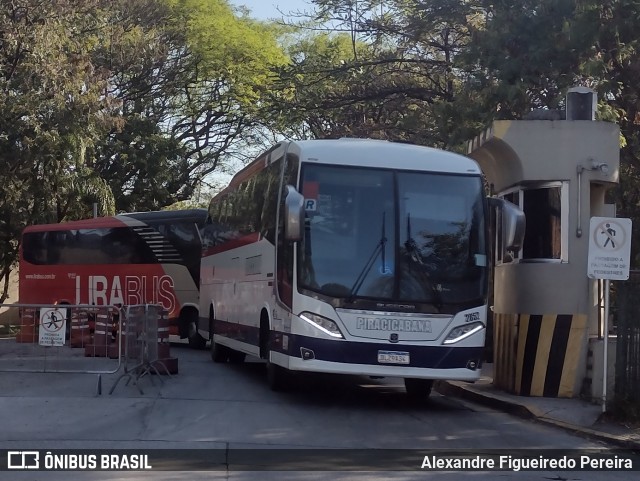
(527,57)
(611,62)
(189,74)
(124,104)
(53,113)
(390,73)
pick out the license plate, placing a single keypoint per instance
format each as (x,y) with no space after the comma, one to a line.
(393,357)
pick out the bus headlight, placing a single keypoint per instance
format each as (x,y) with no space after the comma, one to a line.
(462,332)
(325,325)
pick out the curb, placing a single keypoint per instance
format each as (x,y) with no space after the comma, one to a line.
(528,412)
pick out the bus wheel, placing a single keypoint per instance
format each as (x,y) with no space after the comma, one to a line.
(190,318)
(196,341)
(276,377)
(418,389)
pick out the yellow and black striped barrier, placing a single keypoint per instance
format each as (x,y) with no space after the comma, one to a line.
(539,355)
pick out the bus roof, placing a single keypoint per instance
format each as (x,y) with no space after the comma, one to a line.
(383,154)
(195,215)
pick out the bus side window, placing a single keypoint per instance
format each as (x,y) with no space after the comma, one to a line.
(286,249)
(53,244)
(240,217)
(228,222)
(115,246)
(234,219)
(34,249)
(207,233)
(269,180)
(256,201)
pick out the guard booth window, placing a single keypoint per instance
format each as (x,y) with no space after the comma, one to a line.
(545,207)
(543,234)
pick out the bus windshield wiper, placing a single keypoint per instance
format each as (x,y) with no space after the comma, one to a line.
(379,249)
(414,254)
(411,245)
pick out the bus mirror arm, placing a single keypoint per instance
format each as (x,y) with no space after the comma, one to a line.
(293,215)
(513,223)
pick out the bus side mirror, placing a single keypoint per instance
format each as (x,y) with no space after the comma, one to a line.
(293,215)
(513,223)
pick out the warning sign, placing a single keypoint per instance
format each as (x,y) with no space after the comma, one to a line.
(52,326)
(609,248)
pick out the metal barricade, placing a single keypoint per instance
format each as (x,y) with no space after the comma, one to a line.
(141,338)
(63,339)
(626,305)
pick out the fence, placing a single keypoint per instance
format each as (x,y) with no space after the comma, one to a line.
(626,303)
(63,338)
(89,339)
(146,344)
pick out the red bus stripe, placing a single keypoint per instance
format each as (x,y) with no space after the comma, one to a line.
(97,223)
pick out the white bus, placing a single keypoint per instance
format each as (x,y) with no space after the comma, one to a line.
(352,256)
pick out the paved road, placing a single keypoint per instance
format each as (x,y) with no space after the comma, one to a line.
(227,407)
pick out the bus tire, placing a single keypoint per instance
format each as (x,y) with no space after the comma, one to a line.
(418,389)
(189,317)
(276,377)
(196,341)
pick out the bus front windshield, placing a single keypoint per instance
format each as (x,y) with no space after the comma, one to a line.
(393,236)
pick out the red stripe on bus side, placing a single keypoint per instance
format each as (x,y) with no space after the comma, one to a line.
(97,223)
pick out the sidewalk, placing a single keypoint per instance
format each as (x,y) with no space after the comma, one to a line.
(575,415)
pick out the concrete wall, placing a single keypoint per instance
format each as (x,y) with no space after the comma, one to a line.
(515,151)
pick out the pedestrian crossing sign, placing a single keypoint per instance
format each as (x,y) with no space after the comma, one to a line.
(609,248)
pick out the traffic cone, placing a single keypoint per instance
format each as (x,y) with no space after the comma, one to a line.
(165,363)
(80,334)
(28,326)
(118,334)
(99,347)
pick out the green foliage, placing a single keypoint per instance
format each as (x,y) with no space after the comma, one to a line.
(131,104)
(124,104)
(53,110)
(238,51)
(528,52)
(53,114)
(391,72)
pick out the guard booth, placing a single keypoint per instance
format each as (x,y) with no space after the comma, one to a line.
(545,308)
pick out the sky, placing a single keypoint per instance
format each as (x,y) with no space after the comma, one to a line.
(266,9)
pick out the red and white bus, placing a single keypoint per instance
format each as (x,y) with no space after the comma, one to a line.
(352,256)
(145,257)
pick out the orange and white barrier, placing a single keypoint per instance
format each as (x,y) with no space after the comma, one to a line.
(99,346)
(165,362)
(28,326)
(80,332)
